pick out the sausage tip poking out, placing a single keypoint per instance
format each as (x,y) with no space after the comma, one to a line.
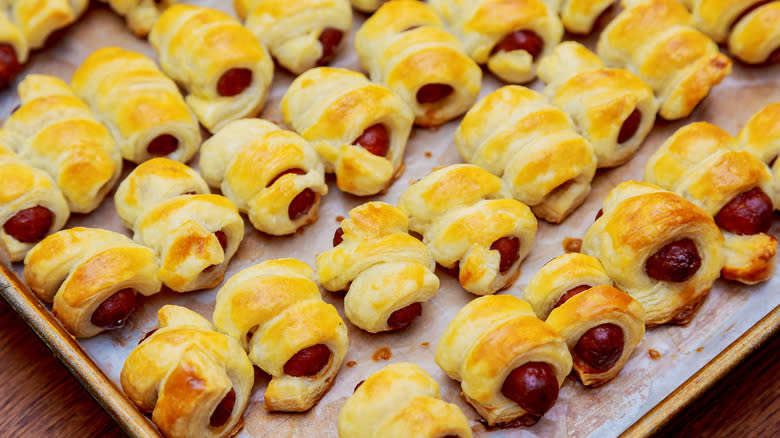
(774,57)
(404,316)
(234,81)
(330,38)
(9,64)
(747,214)
(431,93)
(114,311)
(533,386)
(163,145)
(222,412)
(374,139)
(338,237)
(509,248)
(301,204)
(308,362)
(570,293)
(600,347)
(630,126)
(676,262)
(521,40)
(29,225)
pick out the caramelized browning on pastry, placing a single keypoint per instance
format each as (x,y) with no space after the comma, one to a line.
(533,386)
(747,214)
(600,347)
(29,225)
(677,262)
(308,362)
(115,310)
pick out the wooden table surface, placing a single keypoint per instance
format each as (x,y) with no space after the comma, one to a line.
(39,398)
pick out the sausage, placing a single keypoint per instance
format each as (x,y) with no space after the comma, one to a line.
(222,238)
(509,248)
(9,64)
(454,270)
(374,139)
(630,126)
(749,213)
(599,214)
(358,385)
(114,311)
(29,225)
(774,57)
(570,293)
(329,39)
(533,386)
(163,145)
(288,171)
(146,336)
(224,409)
(234,81)
(338,237)
(520,40)
(301,204)
(308,362)
(675,262)
(431,93)
(600,347)
(404,316)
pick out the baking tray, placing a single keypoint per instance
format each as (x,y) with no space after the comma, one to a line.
(732,322)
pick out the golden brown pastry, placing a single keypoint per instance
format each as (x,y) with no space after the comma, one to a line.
(275,311)
(141,107)
(387,273)
(761,137)
(194,234)
(31,205)
(91,276)
(611,107)
(400,401)
(273,175)
(658,247)
(404,47)
(359,128)
(509,36)
(300,34)
(656,40)
(700,163)
(224,69)
(510,363)
(367,6)
(516,134)
(194,381)
(55,131)
(472,225)
(140,14)
(579,16)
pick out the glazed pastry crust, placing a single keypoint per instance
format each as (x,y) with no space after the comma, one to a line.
(196,46)
(638,220)
(278,304)
(406,60)
(761,137)
(158,375)
(398,399)
(487,339)
(516,134)
(79,268)
(331,108)
(245,156)
(11,34)
(579,16)
(137,102)
(140,14)
(37,19)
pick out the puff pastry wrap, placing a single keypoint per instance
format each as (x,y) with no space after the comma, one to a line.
(761,137)
(276,312)
(580,16)
(293,31)
(223,67)
(367,6)
(400,401)
(612,108)
(749,27)
(656,40)
(169,209)
(404,47)
(80,269)
(472,225)
(516,134)
(388,272)
(639,220)
(141,107)
(488,339)
(140,14)
(55,131)
(26,25)
(189,377)
(485,26)
(575,296)
(23,191)
(251,161)
(334,108)
(700,162)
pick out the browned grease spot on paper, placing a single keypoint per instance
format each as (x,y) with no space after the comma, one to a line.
(425,344)
(655,355)
(339,219)
(700,349)
(571,244)
(428,155)
(383,353)
(351,364)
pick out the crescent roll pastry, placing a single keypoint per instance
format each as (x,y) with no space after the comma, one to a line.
(656,40)
(193,380)
(276,312)
(404,47)
(612,108)
(91,276)
(510,363)
(193,233)
(509,36)
(367,6)
(389,273)
(700,163)
(141,107)
(225,70)
(472,225)
(761,137)
(300,34)
(31,205)
(400,401)
(516,134)
(140,14)
(271,174)
(55,131)
(658,247)
(579,16)
(359,128)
